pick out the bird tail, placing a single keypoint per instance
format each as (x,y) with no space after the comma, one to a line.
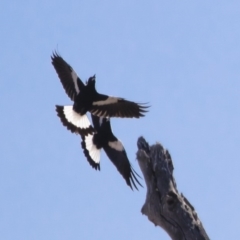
(91,151)
(74,121)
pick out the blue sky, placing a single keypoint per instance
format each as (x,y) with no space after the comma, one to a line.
(181,57)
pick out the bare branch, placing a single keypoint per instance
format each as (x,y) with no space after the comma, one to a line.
(164,205)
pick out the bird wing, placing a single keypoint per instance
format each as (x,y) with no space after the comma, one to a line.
(117,154)
(117,107)
(72,84)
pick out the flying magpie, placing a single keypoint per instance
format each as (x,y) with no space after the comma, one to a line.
(103,138)
(86,98)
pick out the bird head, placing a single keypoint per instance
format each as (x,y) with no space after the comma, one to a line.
(91,80)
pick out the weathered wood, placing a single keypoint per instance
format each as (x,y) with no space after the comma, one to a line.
(164,205)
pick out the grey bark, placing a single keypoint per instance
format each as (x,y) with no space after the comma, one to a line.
(164,205)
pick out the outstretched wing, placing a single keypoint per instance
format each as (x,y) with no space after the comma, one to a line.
(117,107)
(72,84)
(115,150)
(118,157)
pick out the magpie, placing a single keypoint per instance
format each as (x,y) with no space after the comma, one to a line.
(86,98)
(99,137)
(103,137)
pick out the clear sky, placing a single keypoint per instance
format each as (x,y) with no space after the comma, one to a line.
(181,57)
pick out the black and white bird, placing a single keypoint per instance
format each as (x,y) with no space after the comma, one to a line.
(103,138)
(86,98)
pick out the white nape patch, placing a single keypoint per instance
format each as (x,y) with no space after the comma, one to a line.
(117,145)
(80,121)
(75,77)
(92,150)
(109,100)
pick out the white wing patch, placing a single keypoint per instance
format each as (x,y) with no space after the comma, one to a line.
(75,77)
(92,149)
(80,121)
(109,100)
(117,145)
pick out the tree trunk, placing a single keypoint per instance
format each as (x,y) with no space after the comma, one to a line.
(164,205)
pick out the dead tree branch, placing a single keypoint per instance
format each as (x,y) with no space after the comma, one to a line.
(164,205)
